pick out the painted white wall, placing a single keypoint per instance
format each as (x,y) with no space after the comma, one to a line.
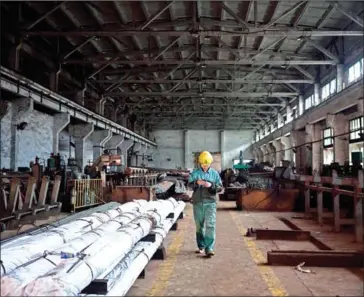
(172,145)
(236,141)
(35,140)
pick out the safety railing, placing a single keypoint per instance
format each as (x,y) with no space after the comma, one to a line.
(86,192)
(333,185)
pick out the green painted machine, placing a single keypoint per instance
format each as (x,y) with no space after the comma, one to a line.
(241,165)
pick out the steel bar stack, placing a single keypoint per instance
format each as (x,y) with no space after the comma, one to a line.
(69,259)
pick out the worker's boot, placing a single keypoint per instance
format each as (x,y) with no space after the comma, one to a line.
(210,253)
(199,251)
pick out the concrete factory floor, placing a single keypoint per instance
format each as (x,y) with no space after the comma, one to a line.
(236,269)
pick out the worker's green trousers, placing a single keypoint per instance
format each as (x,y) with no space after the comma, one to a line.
(205,213)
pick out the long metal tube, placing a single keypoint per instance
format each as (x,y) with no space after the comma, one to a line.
(124,275)
(259,32)
(62,221)
(208,62)
(211,81)
(206,94)
(16,253)
(73,275)
(13,284)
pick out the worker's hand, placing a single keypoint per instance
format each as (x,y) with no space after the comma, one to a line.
(200,182)
(207,185)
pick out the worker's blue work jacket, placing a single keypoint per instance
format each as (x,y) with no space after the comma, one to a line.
(201,193)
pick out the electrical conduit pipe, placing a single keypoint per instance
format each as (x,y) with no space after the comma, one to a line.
(73,275)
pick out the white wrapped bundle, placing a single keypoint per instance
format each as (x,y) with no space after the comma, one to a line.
(124,275)
(27,248)
(69,278)
(12,284)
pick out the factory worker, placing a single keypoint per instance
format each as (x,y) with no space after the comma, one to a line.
(206,183)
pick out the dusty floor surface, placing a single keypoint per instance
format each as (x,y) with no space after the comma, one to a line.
(237,268)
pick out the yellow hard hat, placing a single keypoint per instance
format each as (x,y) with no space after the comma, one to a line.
(205,158)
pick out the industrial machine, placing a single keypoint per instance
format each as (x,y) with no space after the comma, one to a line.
(112,164)
(241,165)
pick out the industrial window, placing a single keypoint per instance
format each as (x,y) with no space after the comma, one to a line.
(328,138)
(309,102)
(328,89)
(273,126)
(294,112)
(356,128)
(355,71)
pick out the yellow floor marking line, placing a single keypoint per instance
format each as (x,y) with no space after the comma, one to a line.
(165,270)
(274,284)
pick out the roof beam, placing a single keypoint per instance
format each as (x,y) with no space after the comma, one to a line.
(184,62)
(45,15)
(237,69)
(209,81)
(349,14)
(299,16)
(304,72)
(323,50)
(202,33)
(182,81)
(251,114)
(76,48)
(155,16)
(235,16)
(267,48)
(204,62)
(320,23)
(189,47)
(205,94)
(149,107)
(284,14)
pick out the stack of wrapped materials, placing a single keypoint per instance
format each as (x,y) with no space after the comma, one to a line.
(104,245)
(171,186)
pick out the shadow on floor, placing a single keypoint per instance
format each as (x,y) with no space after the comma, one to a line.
(228,209)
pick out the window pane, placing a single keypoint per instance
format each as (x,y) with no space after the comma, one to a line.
(333,86)
(351,74)
(351,125)
(324,93)
(308,103)
(357,70)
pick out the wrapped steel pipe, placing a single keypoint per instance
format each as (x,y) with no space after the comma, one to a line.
(16,253)
(61,221)
(12,284)
(123,276)
(69,278)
